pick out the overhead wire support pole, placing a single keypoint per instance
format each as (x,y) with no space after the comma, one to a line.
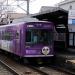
(28,7)
(7,12)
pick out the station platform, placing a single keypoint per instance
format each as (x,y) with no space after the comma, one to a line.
(66,60)
(68,53)
(70,64)
(66,56)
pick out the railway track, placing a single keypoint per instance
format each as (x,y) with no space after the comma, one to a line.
(5,71)
(19,69)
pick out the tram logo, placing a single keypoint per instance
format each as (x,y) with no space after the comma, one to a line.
(45,50)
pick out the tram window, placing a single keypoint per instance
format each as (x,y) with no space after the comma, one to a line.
(8,36)
(35,36)
(28,36)
(2,35)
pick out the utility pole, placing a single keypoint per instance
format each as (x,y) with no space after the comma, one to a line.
(7,13)
(28,7)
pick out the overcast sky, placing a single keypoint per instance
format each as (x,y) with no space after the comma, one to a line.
(36,4)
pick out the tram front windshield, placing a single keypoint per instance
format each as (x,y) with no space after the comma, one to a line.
(36,36)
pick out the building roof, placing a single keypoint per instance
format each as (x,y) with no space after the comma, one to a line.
(46,9)
(65,2)
(54,14)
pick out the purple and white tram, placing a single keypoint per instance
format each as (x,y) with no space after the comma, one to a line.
(28,39)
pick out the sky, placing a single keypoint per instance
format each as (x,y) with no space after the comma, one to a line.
(35,5)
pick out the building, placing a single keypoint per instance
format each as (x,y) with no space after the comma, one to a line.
(59,17)
(67,4)
(10,17)
(70,6)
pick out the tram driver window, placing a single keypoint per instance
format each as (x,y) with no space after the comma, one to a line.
(28,36)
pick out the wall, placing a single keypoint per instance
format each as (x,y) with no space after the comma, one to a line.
(68,4)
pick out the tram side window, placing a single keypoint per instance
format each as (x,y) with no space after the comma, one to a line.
(28,36)
(2,35)
(7,36)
